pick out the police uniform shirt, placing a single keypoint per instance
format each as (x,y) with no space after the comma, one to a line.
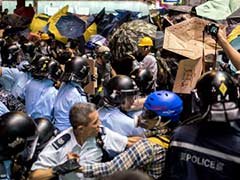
(40,98)
(15,81)
(113,142)
(117,121)
(204,151)
(68,95)
(3,109)
(55,153)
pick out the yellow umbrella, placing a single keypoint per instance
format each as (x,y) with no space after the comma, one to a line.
(52,24)
(39,21)
(91,30)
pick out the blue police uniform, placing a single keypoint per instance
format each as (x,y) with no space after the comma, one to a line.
(117,121)
(5,170)
(15,81)
(69,94)
(3,109)
(204,150)
(55,152)
(40,98)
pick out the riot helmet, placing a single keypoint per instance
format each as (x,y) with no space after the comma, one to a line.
(46,68)
(29,48)
(144,80)
(13,51)
(164,106)
(63,56)
(46,131)
(16,131)
(77,70)
(118,88)
(215,87)
(2,42)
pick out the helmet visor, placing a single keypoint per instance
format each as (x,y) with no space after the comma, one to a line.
(31,146)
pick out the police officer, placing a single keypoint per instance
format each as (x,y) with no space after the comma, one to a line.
(74,79)
(46,132)
(14,81)
(80,139)
(119,94)
(40,93)
(16,131)
(207,147)
(144,80)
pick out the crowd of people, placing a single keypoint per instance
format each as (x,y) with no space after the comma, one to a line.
(52,128)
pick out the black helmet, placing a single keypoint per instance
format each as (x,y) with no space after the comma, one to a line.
(29,47)
(216,87)
(63,56)
(119,87)
(77,70)
(16,128)
(2,42)
(45,130)
(46,68)
(13,51)
(143,79)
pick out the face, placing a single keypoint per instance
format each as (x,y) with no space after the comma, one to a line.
(91,130)
(128,102)
(141,50)
(148,120)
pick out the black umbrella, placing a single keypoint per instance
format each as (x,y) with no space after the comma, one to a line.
(71,26)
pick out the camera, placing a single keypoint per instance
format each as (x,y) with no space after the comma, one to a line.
(211,29)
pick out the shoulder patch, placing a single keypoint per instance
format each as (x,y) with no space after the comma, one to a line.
(61,141)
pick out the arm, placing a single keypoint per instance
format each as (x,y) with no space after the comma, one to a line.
(232,53)
(41,174)
(141,153)
(132,140)
(62,169)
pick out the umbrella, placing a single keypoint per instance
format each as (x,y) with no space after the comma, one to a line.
(233,20)
(51,27)
(16,21)
(38,23)
(70,26)
(125,39)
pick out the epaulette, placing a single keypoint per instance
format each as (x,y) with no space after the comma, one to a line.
(61,141)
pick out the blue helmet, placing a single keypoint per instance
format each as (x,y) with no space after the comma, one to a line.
(164,104)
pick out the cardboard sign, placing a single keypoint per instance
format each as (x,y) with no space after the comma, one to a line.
(189,71)
(186,38)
